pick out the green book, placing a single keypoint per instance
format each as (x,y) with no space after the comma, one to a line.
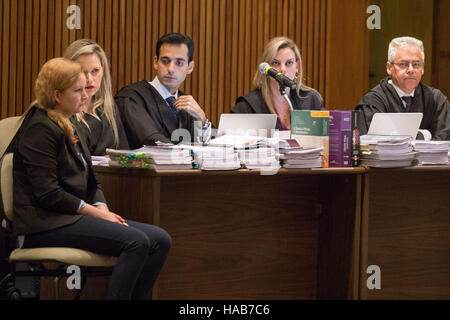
(311,129)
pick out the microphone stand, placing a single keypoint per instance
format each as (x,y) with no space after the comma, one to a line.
(284,94)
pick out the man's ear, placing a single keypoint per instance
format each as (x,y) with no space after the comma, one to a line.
(155,62)
(388,68)
(191,67)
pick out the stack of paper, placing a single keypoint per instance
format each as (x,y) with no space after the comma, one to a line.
(259,158)
(387,151)
(216,157)
(243,141)
(254,152)
(285,145)
(302,158)
(156,157)
(100,160)
(432,152)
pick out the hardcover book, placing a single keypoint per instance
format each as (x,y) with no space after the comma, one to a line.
(310,128)
(340,138)
(356,145)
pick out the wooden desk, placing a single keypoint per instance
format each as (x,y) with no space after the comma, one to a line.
(406,232)
(242,235)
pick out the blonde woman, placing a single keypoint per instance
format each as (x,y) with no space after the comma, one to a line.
(283,55)
(57,201)
(99,119)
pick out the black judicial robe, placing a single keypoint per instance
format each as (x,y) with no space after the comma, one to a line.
(100,135)
(146,117)
(254,103)
(427,100)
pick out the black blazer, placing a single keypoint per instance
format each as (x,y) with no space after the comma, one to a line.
(146,117)
(100,135)
(50,179)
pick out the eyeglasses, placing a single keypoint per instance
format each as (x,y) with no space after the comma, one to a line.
(405,64)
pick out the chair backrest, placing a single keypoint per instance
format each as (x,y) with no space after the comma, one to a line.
(6,185)
(8,129)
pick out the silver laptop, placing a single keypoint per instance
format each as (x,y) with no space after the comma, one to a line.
(394,124)
(247,124)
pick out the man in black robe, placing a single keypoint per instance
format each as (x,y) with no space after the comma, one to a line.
(152,111)
(402,91)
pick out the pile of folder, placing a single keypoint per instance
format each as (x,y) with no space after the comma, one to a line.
(432,152)
(216,157)
(387,151)
(301,158)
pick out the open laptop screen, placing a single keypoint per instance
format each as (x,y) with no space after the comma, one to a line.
(393,124)
(247,124)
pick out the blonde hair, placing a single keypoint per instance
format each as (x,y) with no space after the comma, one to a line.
(104,94)
(56,74)
(262,81)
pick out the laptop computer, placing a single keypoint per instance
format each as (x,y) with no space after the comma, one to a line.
(394,124)
(247,124)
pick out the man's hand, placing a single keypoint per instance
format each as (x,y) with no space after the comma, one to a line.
(189,104)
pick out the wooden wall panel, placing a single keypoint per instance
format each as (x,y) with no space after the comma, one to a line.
(347,62)
(229,37)
(401,18)
(441,47)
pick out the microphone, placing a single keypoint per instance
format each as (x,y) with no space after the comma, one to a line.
(265,68)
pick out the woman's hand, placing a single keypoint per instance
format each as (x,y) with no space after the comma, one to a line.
(102,211)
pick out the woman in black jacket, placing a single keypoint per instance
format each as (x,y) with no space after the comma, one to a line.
(57,200)
(99,118)
(283,55)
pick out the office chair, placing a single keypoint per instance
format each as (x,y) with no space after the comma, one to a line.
(90,264)
(8,129)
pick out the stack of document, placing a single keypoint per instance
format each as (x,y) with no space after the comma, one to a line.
(302,158)
(387,151)
(243,141)
(156,157)
(285,145)
(258,158)
(100,161)
(432,152)
(254,152)
(216,157)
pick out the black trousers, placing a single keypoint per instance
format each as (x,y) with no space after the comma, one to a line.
(141,250)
